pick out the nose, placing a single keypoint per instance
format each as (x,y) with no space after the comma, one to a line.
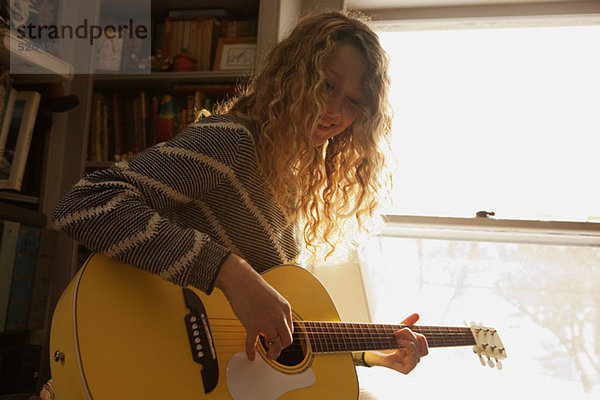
(334,104)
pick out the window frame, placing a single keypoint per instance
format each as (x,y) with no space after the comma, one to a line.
(479,16)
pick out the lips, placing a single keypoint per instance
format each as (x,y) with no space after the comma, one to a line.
(326,124)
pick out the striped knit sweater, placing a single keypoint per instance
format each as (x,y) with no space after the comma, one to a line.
(181,207)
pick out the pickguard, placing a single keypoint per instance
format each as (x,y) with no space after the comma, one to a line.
(257,380)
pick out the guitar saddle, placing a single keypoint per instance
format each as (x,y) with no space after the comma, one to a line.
(200,339)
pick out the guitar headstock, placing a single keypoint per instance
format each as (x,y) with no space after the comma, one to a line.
(488,345)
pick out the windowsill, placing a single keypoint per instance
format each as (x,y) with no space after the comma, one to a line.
(493,230)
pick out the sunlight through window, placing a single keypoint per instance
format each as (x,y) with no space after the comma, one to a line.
(506,120)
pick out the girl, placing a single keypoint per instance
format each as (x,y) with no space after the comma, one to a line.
(295,154)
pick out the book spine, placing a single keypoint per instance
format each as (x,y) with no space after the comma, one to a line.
(42,278)
(105,133)
(143,121)
(154,119)
(118,139)
(136,126)
(168,40)
(95,147)
(177,40)
(8,249)
(22,279)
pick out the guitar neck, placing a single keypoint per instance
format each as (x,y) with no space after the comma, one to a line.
(334,337)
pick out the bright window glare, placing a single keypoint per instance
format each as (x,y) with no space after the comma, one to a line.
(504,120)
(542,300)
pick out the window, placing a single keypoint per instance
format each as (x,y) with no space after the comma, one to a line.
(504,120)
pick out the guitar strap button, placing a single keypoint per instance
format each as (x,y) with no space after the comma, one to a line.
(59,356)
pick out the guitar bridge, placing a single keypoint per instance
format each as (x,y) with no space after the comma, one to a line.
(200,339)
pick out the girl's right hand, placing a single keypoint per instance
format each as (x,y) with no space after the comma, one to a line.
(258,306)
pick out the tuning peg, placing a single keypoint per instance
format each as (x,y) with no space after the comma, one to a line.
(490,363)
(481,360)
(498,364)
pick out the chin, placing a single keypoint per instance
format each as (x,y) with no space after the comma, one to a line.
(320,141)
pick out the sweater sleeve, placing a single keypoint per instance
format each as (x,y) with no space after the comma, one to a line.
(120,212)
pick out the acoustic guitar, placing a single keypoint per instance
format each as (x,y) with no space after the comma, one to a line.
(119,332)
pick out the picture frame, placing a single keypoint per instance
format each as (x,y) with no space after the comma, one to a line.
(235,53)
(15,138)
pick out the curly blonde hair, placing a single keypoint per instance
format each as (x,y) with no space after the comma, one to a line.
(337,182)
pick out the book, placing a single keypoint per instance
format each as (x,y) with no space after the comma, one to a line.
(41,281)
(118,140)
(167,39)
(158,34)
(13,156)
(22,278)
(9,232)
(239,28)
(95,141)
(196,34)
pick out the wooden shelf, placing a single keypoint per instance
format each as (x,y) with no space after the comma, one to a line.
(38,66)
(23,198)
(99,164)
(23,215)
(243,7)
(166,80)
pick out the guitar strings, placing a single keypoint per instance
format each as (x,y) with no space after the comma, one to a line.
(358,331)
(327,326)
(334,335)
(340,343)
(349,329)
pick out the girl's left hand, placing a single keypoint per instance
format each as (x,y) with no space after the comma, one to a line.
(411,347)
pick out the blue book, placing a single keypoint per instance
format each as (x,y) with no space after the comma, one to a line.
(22,279)
(9,232)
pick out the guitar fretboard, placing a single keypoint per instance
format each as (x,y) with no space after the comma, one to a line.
(333,337)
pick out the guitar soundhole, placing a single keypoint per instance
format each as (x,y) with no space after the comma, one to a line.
(292,355)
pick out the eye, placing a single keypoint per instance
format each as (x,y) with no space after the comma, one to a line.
(328,85)
(353,101)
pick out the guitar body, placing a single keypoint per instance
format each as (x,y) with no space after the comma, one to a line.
(119,332)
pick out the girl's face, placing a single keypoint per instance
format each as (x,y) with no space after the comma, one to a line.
(344,91)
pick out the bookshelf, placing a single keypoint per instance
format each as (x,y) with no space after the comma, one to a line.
(23,347)
(128,108)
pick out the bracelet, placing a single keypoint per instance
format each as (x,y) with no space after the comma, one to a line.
(359,359)
(362,356)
